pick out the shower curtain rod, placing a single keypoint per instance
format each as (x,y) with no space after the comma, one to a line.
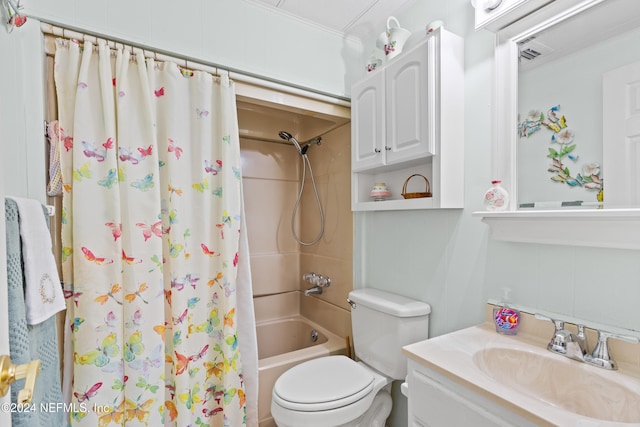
(189,63)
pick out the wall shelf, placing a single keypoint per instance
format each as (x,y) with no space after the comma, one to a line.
(399,204)
(602,228)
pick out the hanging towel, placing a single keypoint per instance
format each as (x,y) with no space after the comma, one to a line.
(54,187)
(43,293)
(26,342)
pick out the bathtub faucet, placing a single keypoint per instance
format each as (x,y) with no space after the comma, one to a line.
(314,290)
(318,281)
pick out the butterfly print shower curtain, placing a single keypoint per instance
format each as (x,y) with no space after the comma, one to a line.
(151,229)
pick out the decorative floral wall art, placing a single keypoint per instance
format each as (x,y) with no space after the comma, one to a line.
(563,151)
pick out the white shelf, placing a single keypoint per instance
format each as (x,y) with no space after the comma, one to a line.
(602,228)
(398,204)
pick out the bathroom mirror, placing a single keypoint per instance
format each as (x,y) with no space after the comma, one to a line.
(562,112)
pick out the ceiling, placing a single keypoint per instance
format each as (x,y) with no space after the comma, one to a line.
(349,17)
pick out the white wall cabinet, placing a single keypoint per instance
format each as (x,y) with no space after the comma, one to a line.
(407,118)
(437,401)
(389,111)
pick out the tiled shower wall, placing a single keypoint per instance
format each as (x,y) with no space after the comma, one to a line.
(271,174)
(270,184)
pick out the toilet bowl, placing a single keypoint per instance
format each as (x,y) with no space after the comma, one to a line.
(336,391)
(330,391)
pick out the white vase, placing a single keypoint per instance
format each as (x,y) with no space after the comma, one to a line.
(496,198)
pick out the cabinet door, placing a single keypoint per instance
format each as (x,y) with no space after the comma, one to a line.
(367,122)
(407,107)
(432,404)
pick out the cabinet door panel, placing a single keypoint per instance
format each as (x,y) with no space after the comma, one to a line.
(367,122)
(434,405)
(407,93)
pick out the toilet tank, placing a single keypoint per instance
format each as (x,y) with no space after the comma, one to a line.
(382,323)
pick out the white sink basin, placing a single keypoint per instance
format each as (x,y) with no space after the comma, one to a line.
(520,374)
(561,382)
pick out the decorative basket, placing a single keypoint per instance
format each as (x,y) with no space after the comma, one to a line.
(426,193)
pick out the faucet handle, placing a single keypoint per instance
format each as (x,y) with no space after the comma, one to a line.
(559,324)
(561,338)
(600,356)
(324,281)
(581,339)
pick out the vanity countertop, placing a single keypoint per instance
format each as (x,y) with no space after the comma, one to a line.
(455,356)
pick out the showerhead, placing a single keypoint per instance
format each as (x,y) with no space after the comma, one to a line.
(288,137)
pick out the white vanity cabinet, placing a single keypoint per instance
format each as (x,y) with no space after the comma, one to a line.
(438,401)
(407,118)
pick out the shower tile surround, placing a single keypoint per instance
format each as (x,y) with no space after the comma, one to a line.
(271,173)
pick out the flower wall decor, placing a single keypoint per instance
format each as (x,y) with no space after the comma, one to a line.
(562,147)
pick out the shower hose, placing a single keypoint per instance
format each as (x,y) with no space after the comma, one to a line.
(306,162)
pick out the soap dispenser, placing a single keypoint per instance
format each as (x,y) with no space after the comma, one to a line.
(506,318)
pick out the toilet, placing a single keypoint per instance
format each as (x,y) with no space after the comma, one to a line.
(336,391)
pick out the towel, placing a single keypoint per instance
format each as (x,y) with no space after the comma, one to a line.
(43,294)
(30,342)
(54,187)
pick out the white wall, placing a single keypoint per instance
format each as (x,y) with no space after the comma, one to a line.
(233,33)
(22,112)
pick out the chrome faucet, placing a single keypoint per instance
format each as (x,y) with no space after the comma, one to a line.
(318,281)
(565,342)
(313,290)
(574,346)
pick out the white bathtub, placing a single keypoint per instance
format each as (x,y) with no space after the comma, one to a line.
(284,343)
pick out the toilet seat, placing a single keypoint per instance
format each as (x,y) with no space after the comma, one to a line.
(323,384)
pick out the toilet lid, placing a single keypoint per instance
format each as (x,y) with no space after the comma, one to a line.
(323,383)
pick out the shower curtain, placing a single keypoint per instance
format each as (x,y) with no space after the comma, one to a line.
(151,233)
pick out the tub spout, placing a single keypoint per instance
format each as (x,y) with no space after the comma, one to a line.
(314,290)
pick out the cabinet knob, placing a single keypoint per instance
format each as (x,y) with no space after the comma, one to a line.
(376,150)
(386,147)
